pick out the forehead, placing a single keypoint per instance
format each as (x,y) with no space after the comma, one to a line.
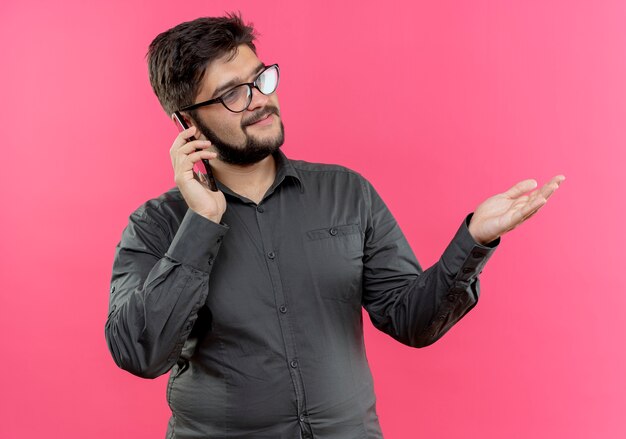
(228,68)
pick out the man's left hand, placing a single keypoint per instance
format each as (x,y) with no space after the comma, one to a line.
(504,212)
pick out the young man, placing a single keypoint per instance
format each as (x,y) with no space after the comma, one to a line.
(252,294)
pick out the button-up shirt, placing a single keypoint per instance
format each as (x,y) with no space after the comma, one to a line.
(259,318)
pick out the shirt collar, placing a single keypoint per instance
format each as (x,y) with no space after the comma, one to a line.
(284,170)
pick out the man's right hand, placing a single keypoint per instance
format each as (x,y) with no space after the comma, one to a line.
(198,196)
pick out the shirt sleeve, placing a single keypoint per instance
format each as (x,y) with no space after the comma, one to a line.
(157,289)
(413,306)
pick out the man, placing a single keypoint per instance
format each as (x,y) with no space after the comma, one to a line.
(252,294)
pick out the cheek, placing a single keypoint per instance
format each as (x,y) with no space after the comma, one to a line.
(228,128)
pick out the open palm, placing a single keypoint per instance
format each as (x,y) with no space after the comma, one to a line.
(503,212)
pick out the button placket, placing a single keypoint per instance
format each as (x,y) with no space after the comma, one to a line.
(267,235)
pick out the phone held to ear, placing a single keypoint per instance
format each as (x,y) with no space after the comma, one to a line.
(202,169)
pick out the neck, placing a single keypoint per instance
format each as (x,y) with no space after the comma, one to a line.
(250,181)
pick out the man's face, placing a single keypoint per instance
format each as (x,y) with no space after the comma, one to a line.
(239,138)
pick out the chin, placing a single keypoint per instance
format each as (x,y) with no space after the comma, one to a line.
(268,137)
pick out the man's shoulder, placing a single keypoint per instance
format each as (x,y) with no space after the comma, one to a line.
(321,170)
(166,206)
(330,176)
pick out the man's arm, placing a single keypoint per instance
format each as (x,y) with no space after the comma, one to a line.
(157,289)
(418,307)
(159,283)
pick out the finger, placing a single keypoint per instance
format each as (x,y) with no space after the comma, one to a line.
(193,146)
(556,182)
(531,214)
(185,167)
(519,217)
(183,137)
(188,133)
(531,208)
(529,205)
(521,188)
(192,158)
(186,161)
(549,188)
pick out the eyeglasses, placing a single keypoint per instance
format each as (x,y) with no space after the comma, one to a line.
(238,99)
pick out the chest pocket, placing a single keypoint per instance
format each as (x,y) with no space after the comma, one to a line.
(336,257)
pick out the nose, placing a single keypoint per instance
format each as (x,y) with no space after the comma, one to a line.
(258,99)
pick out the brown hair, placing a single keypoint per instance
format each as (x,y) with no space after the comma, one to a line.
(178,57)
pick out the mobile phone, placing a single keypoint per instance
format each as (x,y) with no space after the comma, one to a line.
(201,170)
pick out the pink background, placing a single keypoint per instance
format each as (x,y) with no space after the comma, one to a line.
(440,104)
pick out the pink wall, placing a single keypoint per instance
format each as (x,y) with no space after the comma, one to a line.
(440,104)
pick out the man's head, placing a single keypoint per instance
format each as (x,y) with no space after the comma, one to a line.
(205,59)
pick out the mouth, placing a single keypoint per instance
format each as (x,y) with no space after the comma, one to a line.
(266,119)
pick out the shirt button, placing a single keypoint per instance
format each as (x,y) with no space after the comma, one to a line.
(333,231)
(260,209)
(283,309)
(468,270)
(451,297)
(271,255)
(293,363)
(210,261)
(301,418)
(477,254)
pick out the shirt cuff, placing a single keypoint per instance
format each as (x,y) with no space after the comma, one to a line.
(464,258)
(197,241)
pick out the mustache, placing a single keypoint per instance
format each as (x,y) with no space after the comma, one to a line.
(261,114)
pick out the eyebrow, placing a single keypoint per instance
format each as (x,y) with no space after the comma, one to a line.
(235,81)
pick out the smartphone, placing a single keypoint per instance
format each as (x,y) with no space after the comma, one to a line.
(202,169)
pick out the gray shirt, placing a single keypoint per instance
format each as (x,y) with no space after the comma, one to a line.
(259,318)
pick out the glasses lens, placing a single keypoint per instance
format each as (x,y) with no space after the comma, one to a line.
(268,80)
(237,99)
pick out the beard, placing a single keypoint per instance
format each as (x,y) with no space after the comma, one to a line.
(254,150)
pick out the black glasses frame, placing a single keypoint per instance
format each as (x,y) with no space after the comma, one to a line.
(249,84)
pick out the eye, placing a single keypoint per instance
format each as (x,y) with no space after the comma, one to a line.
(231,96)
(268,80)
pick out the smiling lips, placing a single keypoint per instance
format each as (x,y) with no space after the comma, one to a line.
(265,121)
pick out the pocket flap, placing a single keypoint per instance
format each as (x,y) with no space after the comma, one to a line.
(333,231)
